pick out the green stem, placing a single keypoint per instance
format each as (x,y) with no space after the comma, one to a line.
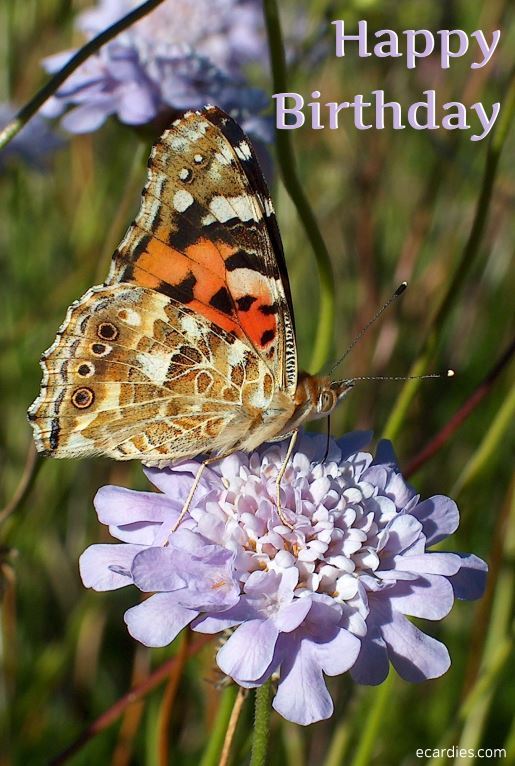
(261,724)
(214,747)
(374,723)
(31,107)
(339,744)
(468,257)
(489,444)
(288,167)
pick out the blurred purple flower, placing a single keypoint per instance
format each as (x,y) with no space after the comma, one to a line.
(35,141)
(329,596)
(181,55)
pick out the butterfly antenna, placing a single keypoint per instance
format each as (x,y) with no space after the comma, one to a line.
(369,324)
(448,374)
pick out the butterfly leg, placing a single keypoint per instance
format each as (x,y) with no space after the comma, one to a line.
(280,475)
(195,484)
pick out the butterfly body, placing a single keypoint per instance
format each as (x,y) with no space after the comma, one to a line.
(189,346)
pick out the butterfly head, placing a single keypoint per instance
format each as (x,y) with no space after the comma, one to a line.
(329,394)
(318,396)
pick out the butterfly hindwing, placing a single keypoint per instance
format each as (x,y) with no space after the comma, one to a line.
(132,373)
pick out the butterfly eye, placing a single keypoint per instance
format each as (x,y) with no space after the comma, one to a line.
(326,401)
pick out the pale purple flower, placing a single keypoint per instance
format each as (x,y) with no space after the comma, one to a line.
(180,56)
(328,596)
(33,144)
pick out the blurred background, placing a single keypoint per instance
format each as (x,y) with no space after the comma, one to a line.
(392,206)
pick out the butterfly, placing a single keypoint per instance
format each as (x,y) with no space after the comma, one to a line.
(189,346)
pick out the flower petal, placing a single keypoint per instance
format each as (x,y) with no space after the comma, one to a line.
(249,651)
(302,696)
(176,482)
(135,516)
(429,563)
(400,533)
(353,442)
(430,596)
(372,665)
(339,653)
(107,566)
(290,616)
(154,570)
(414,655)
(469,582)
(85,119)
(158,620)
(439,517)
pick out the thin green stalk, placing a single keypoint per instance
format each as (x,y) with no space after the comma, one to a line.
(489,444)
(214,747)
(469,255)
(261,724)
(31,107)
(288,166)
(374,722)
(339,744)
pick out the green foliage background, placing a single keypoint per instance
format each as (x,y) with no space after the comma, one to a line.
(391,205)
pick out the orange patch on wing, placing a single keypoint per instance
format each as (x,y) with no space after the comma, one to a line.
(163,262)
(217,317)
(205,260)
(256,324)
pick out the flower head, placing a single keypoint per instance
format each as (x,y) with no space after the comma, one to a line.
(181,55)
(330,595)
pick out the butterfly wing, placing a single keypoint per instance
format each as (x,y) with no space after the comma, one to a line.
(191,338)
(133,374)
(206,235)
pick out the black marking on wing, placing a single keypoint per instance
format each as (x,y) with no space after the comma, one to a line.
(183,291)
(245,260)
(245,302)
(268,310)
(267,336)
(54,433)
(221,300)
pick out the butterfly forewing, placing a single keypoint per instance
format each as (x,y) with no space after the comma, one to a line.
(206,236)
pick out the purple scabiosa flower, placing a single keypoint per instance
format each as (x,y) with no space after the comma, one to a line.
(33,144)
(330,595)
(181,55)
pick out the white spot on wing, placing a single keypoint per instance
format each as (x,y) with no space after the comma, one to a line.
(223,159)
(190,326)
(182,199)
(154,366)
(242,207)
(236,354)
(131,317)
(269,208)
(243,150)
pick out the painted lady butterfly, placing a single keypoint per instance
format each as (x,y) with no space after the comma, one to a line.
(189,346)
